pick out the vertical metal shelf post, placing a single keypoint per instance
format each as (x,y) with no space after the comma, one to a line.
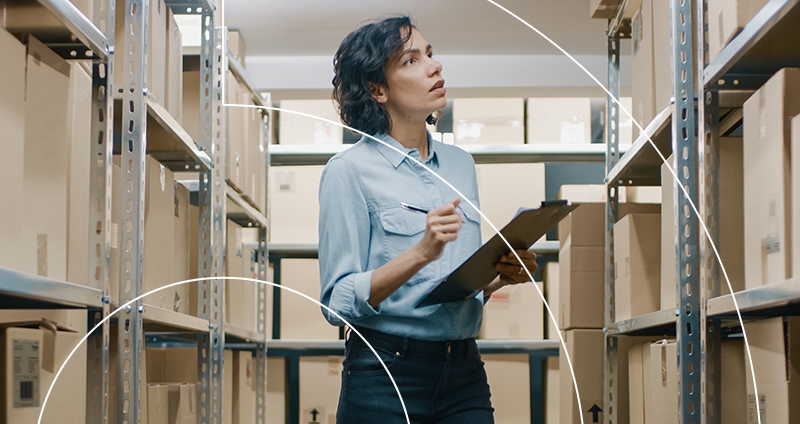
(684,145)
(211,293)
(612,210)
(261,348)
(708,193)
(99,247)
(134,146)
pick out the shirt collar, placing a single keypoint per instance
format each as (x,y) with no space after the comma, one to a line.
(396,158)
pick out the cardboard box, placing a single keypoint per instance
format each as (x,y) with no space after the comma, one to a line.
(581,284)
(237,135)
(255,153)
(12,126)
(171,365)
(244,388)
(236,46)
(302,319)
(294,207)
(320,383)
(637,265)
(155,81)
(731,217)
(158,404)
(585,348)
(587,193)
(509,378)
(767,178)
(301,129)
(643,195)
(636,385)
(642,63)
(113,378)
(734,386)
(190,106)
(586,224)
(180,300)
(514,313)
(669,242)
(564,120)
(227,387)
(496,204)
(240,295)
(725,19)
(775,349)
(795,195)
(71,320)
(44,217)
(182,403)
(489,121)
(276,388)
(552,392)
(662,53)
(173,101)
(664,382)
(550,278)
(28,19)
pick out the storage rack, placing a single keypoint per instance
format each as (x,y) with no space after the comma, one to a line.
(148,129)
(747,62)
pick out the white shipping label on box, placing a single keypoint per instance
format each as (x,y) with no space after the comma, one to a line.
(563,120)
(26,372)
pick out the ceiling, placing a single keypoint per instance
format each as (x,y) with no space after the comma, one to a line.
(453,27)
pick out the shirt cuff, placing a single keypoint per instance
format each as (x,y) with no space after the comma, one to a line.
(362,286)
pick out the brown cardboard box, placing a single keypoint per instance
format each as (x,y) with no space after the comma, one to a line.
(174,65)
(581,284)
(587,225)
(44,221)
(664,380)
(71,320)
(12,126)
(767,183)
(637,265)
(636,384)
(552,392)
(171,365)
(301,129)
(227,387)
(585,348)
(320,383)
(669,266)
(237,135)
(775,349)
(514,313)
(642,75)
(254,151)
(489,121)
(113,379)
(244,388)
(182,403)
(734,386)
(240,296)
(509,378)
(294,207)
(643,195)
(156,48)
(496,204)
(725,19)
(301,319)
(662,53)
(24,19)
(236,46)
(587,193)
(563,120)
(158,404)
(180,300)
(190,106)
(731,217)
(795,194)
(550,278)
(276,388)
(79,119)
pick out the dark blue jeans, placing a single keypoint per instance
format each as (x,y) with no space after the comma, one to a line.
(441,382)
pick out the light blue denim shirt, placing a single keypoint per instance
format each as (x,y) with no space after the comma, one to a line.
(362,226)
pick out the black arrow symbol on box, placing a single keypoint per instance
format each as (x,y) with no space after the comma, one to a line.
(314,414)
(595,410)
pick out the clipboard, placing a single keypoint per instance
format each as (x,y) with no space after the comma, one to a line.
(478,271)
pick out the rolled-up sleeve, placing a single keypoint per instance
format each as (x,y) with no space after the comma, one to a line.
(344,235)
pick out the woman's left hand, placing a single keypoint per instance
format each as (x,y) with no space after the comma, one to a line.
(510,269)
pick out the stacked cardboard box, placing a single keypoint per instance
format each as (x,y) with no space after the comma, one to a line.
(637,265)
(514,312)
(301,319)
(294,208)
(300,129)
(509,378)
(156,78)
(726,18)
(276,388)
(320,383)
(651,79)
(489,121)
(564,120)
(240,296)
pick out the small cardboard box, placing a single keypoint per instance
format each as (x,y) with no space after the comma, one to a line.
(301,129)
(294,207)
(551,280)
(767,178)
(514,313)
(726,18)
(581,284)
(173,101)
(320,383)
(637,265)
(562,120)
(301,319)
(509,377)
(227,387)
(795,194)
(489,121)
(500,207)
(664,381)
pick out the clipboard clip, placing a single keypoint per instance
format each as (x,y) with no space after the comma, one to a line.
(551,203)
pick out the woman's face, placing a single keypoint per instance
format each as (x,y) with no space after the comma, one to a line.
(415,87)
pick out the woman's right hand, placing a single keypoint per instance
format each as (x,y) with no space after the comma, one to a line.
(442,227)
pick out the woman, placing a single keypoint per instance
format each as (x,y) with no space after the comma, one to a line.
(378,260)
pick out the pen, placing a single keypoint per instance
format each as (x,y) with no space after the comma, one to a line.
(412,208)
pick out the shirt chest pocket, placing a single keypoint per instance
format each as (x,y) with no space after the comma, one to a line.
(402,229)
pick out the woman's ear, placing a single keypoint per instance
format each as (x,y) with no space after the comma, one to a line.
(378,91)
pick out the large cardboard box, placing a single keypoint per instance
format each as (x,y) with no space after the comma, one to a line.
(12,126)
(255,153)
(294,207)
(669,264)
(586,224)
(775,354)
(301,129)
(190,106)
(71,320)
(158,404)
(301,319)
(155,80)
(509,377)
(174,68)
(29,360)
(564,120)
(276,388)
(513,313)
(731,217)
(581,284)
(643,194)
(498,206)
(44,220)
(552,392)
(726,18)
(734,386)
(489,121)
(767,178)
(171,365)
(240,296)
(551,279)
(638,381)
(237,134)
(585,348)
(244,388)
(642,63)
(182,403)
(637,265)
(79,119)
(662,53)
(320,383)
(664,380)
(180,300)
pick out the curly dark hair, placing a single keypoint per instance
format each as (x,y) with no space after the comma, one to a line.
(361,59)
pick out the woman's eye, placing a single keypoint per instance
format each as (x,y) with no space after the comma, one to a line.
(409,61)
(430,54)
